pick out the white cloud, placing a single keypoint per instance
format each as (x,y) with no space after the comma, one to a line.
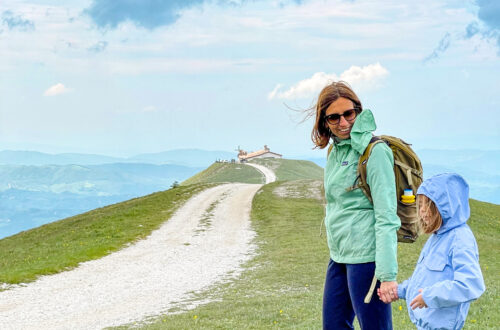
(57,89)
(366,77)
(274,92)
(304,88)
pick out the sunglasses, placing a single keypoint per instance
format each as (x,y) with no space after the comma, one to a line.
(334,118)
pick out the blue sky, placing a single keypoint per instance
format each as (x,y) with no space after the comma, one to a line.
(135,76)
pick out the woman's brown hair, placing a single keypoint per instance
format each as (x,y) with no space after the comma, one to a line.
(428,214)
(321,134)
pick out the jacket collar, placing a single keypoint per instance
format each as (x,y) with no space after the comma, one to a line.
(361,132)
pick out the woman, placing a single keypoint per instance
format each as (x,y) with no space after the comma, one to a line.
(361,236)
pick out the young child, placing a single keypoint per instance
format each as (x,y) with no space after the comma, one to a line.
(447,276)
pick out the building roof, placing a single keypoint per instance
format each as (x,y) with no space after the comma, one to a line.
(244,155)
(257,153)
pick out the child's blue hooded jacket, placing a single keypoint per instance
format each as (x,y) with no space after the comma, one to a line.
(448,267)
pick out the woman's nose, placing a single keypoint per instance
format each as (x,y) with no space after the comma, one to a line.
(343,122)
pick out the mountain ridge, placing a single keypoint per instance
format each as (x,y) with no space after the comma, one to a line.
(185,157)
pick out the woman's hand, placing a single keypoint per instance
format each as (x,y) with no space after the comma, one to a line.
(388,291)
(418,301)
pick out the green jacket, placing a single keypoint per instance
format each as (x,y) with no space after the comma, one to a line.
(357,230)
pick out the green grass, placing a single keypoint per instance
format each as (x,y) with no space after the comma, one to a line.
(282,286)
(227,172)
(290,169)
(61,245)
(485,223)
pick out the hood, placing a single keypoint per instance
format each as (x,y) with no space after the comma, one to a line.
(361,132)
(450,193)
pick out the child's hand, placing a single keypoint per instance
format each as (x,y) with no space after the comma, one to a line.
(418,301)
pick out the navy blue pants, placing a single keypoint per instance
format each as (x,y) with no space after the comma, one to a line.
(346,286)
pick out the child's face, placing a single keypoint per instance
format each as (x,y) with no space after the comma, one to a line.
(429,216)
(423,211)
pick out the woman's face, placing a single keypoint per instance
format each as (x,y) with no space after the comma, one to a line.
(342,127)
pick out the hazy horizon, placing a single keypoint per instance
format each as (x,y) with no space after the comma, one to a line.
(315,152)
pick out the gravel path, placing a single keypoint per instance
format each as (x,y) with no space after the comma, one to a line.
(269,174)
(205,242)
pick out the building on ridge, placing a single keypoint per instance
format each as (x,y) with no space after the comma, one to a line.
(244,156)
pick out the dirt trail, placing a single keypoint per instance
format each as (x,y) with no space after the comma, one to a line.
(268,174)
(205,242)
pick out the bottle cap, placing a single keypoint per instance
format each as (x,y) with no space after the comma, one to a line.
(408,192)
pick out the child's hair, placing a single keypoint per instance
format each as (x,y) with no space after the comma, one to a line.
(429,210)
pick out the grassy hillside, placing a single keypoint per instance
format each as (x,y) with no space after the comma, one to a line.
(283,286)
(285,169)
(227,172)
(291,169)
(63,244)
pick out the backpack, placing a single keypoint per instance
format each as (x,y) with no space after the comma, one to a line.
(409,175)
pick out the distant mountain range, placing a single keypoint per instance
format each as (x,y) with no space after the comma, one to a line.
(93,180)
(37,188)
(9,157)
(23,209)
(473,161)
(184,157)
(34,195)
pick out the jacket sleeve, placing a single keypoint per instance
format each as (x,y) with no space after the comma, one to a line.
(467,283)
(380,178)
(402,289)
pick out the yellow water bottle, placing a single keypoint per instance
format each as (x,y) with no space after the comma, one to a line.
(408,197)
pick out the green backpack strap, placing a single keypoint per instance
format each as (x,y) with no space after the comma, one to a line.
(361,181)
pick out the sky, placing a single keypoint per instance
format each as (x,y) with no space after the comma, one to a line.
(137,76)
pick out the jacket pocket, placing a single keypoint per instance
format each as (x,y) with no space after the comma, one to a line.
(437,270)
(436,265)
